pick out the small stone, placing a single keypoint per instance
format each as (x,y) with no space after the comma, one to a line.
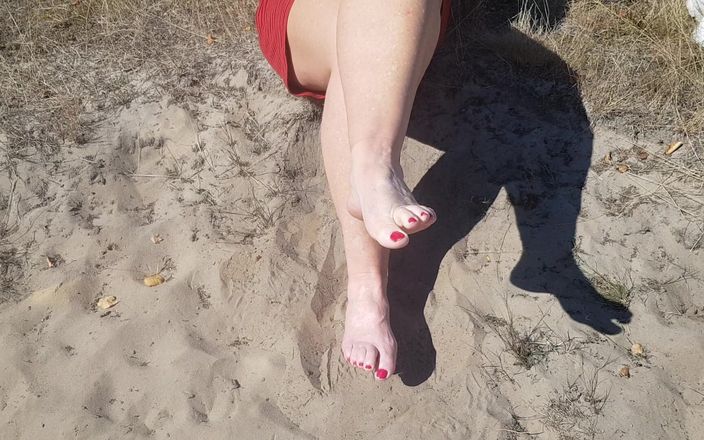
(624,371)
(637,350)
(622,168)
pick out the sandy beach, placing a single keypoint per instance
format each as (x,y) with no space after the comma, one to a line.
(559,296)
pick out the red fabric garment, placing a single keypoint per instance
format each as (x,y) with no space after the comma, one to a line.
(272,23)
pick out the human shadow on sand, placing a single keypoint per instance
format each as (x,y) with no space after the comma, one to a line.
(516,124)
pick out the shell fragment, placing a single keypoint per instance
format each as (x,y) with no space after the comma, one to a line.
(637,350)
(154,280)
(107,302)
(673,147)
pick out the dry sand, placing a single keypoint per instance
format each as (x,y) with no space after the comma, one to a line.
(242,340)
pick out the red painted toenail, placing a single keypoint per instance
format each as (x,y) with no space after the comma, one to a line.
(424,214)
(368,367)
(412,220)
(381,373)
(396,236)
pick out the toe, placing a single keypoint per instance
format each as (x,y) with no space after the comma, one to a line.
(426,215)
(406,219)
(347,351)
(371,358)
(358,354)
(387,365)
(390,236)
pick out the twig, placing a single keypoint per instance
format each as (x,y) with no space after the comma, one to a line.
(696,242)
(199,144)
(682,193)
(163,176)
(139,153)
(682,169)
(682,210)
(520,432)
(696,391)
(178,165)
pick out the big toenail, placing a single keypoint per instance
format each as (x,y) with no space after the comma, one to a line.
(381,373)
(412,220)
(396,236)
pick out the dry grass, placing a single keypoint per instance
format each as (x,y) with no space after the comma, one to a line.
(12,265)
(528,347)
(59,58)
(616,290)
(64,63)
(47,23)
(573,413)
(632,58)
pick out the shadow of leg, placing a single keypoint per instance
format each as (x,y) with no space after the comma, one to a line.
(457,190)
(501,125)
(547,203)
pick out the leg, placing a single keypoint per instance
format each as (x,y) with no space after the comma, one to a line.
(368,342)
(381,50)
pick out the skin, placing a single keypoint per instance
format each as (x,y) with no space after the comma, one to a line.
(369,57)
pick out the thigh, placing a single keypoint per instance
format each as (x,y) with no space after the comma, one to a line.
(312,26)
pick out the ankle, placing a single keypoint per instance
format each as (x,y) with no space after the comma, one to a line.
(375,151)
(371,303)
(368,285)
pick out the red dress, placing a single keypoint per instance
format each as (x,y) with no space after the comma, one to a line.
(272,22)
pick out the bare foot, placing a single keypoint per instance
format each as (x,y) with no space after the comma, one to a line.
(368,342)
(380,198)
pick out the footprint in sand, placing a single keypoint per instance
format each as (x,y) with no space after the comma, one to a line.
(316,337)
